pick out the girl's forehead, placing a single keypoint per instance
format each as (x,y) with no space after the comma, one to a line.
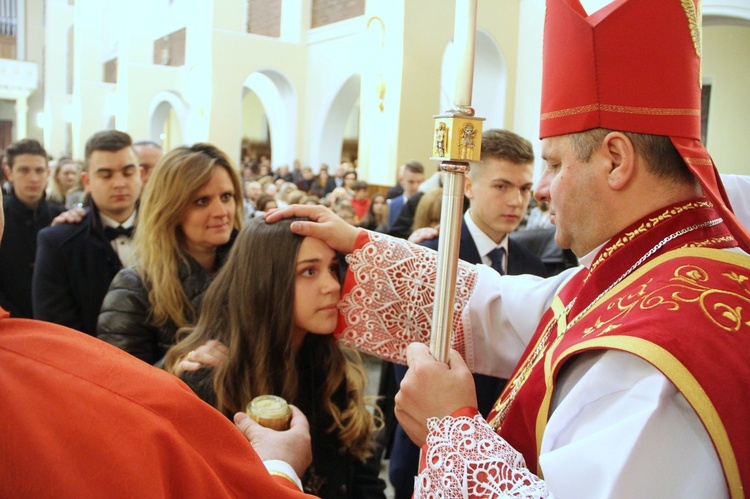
(314,249)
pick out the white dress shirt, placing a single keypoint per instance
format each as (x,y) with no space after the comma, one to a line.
(484,243)
(122,245)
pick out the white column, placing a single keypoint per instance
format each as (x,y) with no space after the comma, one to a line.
(21,30)
(22,112)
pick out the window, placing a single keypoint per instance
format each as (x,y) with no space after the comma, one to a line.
(331,11)
(264,17)
(110,71)
(170,50)
(8,29)
(705,99)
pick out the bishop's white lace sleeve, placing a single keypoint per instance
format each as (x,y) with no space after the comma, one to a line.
(466,459)
(389,294)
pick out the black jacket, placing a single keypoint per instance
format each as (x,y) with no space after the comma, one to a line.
(125,322)
(18,251)
(74,265)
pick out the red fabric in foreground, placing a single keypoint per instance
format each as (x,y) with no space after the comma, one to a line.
(84,419)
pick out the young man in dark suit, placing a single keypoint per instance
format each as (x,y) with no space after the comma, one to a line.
(77,261)
(27,211)
(499,190)
(411,179)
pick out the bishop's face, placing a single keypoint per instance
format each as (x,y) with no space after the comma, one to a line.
(573,190)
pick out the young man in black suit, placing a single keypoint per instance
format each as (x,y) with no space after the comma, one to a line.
(411,178)
(26,213)
(499,191)
(77,261)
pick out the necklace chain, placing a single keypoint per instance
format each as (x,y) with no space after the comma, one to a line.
(519,380)
(637,264)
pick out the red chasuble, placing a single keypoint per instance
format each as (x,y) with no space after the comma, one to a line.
(81,418)
(684,307)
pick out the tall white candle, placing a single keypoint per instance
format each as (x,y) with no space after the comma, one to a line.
(464,42)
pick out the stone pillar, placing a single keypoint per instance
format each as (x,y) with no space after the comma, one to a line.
(22,115)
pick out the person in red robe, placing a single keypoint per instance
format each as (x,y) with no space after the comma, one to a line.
(84,419)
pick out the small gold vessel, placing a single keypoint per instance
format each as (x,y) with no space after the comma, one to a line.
(270,411)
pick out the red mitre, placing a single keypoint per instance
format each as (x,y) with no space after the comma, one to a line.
(634,66)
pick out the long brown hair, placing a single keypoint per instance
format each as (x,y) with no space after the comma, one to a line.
(371,220)
(249,307)
(159,240)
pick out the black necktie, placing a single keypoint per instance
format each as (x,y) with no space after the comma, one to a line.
(496,257)
(115,232)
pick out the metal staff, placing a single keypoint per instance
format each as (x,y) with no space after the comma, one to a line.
(457,142)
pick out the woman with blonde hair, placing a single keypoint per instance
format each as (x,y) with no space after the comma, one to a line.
(189,214)
(274,306)
(428,209)
(65,178)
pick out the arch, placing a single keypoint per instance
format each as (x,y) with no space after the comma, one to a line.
(490,80)
(328,139)
(161,105)
(717,12)
(279,100)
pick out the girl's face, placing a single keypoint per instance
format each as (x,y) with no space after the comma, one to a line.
(377,205)
(316,289)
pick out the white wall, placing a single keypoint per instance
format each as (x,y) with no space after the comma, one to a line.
(403,49)
(726,66)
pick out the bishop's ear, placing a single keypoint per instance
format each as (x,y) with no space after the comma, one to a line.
(620,152)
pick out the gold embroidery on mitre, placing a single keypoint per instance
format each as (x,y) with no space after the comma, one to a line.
(699,161)
(657,111)
(650,111)
(695,19)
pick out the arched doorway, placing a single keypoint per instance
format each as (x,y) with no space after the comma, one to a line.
(490,81)
(168,114)
(269,112)
(256,135)
(337,138)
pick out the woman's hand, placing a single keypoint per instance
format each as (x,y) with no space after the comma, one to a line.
(210,354)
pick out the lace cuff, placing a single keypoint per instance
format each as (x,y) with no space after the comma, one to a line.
(465,458)
(389,294)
